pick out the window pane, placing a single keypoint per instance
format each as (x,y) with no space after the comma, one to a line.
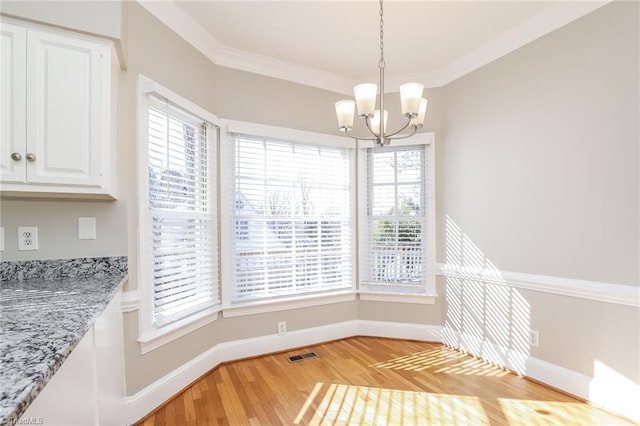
(409,200)
(410,165)
(293,224)
(382,167)
(180,182)
(396,219)
(384,200)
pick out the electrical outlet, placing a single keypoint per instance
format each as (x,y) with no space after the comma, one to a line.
(1,238)
(534,338)
(27,238)
(282,328)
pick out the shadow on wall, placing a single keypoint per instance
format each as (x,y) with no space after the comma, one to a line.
(484,316)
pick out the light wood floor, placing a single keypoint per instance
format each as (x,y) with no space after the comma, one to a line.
(375,381)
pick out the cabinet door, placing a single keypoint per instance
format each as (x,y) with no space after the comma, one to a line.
(65,109)
(13,63)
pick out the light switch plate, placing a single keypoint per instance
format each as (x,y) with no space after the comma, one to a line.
(27,238)
(86,228)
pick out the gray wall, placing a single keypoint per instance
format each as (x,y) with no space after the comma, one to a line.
(541,170)
(541,152)
(57,223)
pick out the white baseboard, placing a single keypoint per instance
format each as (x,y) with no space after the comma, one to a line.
(618,399)
(424,332)
(607,389)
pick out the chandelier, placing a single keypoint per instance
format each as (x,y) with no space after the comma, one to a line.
(414,106)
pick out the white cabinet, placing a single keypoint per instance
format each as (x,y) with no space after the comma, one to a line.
(89,387)
(56,113)
(13,97)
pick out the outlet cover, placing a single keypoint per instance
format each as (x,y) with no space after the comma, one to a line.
(27,238)
(1,238)
(282,328)
(534,338)
(86,228)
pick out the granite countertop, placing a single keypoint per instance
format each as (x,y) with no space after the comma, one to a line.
(46,307)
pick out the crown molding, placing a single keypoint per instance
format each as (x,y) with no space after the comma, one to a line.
(554,17)
(550,19)
(283,70)
(170,14)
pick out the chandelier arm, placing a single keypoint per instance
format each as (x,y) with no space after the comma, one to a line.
(359,138)
(398,131)
(367,120)
(408,135)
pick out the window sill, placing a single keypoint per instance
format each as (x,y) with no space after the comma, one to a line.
(155,338)
(290,303)
(424,299)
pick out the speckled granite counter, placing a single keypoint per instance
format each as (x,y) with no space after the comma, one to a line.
(46,307)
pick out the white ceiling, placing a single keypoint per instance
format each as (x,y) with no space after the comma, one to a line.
(335,44)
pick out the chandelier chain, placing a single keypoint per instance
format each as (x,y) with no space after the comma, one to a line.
(381,64)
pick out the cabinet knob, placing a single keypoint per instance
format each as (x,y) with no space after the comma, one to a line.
(16,156)
(31,157)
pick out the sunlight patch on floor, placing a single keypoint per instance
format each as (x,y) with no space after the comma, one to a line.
(345,404)
(521,412)
(443,360)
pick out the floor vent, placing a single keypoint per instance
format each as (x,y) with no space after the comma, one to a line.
(302,357)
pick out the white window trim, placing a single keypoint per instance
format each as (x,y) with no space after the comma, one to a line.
(430,294)
(295,302)
(227,231)
(283,133)
(423,299)
(151,337)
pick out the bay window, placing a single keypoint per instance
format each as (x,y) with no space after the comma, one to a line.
(292,219)
(265,219)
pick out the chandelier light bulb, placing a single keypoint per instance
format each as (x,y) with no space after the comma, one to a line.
(345,110)
(375,121)
(365,95)
(419,120)
(410,95)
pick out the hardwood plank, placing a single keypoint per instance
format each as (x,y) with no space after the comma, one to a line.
(369,380)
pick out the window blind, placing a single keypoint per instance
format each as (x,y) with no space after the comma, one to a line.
(396,219)
(293,225)
(181,212)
